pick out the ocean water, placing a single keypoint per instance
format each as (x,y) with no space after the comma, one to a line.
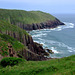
(61,39)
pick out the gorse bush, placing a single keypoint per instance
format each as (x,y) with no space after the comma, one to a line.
(11,61)
(62,66)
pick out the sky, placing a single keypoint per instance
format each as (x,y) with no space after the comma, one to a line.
(49,6)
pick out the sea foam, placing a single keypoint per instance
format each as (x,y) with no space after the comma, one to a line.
(67,25)
(59,48)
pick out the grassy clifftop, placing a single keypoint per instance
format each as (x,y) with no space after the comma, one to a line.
(25,17)
(63,66)
(29,20)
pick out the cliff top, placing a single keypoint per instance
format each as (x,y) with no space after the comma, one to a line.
(25,17)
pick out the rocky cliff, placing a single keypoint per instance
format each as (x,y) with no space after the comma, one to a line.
(43,25)
(29,20)
(15,22)
(30,51)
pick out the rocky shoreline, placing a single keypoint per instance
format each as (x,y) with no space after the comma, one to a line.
(26,22)
(35,51)
(37,48)
(43,25)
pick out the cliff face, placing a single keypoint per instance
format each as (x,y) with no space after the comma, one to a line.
(31,51)
(15,22)
(43,25)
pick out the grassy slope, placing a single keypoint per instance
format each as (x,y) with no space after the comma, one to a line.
(25,17)
(3,47)
(4,26)
(63,66)
(8,39)
(4,39)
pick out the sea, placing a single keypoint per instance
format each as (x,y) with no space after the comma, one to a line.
(60,40)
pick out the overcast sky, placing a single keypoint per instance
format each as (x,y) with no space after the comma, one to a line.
(50,6)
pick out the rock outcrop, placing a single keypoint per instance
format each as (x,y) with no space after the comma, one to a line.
(43,25)
(11,52)
(32,50)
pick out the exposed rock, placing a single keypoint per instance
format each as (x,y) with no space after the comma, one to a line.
(34,51)
(11,52)
(47,24)
(49,51)
(1,57)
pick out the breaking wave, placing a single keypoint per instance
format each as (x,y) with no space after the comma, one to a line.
(67,25)
(59,48)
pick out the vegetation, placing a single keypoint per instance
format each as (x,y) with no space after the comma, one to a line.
(63,66)
(5,39)
(11,61)
(24,17)
(5,26)
(3,48)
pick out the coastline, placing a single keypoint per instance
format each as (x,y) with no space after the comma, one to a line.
(46,58)
(54,40)
(16,27)
(44,25)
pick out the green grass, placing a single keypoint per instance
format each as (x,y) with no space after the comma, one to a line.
(63,66)
(3,48)
(24,17)
(10,61)
(5,39)
(5,26)
(8,39)
(7,29)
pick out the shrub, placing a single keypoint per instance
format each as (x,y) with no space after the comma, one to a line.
(10,61)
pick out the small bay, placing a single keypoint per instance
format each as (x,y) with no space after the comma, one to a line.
(61,39)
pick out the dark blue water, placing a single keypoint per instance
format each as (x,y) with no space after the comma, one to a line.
(61,40)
